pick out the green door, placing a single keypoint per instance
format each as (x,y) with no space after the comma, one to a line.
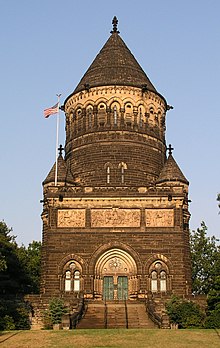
(108,288)
(122,288)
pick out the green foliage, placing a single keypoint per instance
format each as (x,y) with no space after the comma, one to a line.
(213,313)
(186,314)
(19,275)
(7,323)
(48,325)
(30,259)
(205,254)
(14,314)
(12,275)
(19,266)
(57,310)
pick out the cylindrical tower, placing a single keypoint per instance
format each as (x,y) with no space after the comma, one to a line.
(115,122)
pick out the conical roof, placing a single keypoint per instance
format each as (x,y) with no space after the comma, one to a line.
(171,172)
(114,65)
(63,174)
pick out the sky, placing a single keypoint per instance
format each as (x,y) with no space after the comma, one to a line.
(46,47)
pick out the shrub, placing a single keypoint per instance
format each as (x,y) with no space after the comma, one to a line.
(57,310)
(186,314)
(8,323)
(47,320)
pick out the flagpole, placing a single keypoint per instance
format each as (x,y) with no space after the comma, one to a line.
(57,138)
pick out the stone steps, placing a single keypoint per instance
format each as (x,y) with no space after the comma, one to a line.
(116,317)
(137,316)
(93,318)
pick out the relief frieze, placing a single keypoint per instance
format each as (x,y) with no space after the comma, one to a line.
(115,217)
(159,217)
(71,218)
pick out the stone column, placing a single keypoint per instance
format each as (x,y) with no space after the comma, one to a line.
(135,112)
(108,111)
(95,111)
(122,119)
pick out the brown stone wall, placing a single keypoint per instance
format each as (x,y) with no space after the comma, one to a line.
(96,136)
(89,159)
(62,244)
(83,229)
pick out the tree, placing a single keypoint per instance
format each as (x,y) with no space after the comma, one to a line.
(213,313)
(205,255)
(30,259)
(19,274)
(186,314)
(12,274)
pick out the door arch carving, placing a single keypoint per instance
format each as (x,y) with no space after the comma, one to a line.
(115,275)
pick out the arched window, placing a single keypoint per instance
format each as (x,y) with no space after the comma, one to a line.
(89,117)
(72,277)
(158,277)
(163,282)
(79,119)
(122,166)
(115,115)
(154,281)
(102,115)
(76,281)
(108,170)
(128,114)
(68,281)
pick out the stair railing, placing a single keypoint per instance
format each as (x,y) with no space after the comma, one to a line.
(78,315)
(105,315)
(161,320)
(126,314)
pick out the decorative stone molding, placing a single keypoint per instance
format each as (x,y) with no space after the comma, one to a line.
(115,217)
(71,218)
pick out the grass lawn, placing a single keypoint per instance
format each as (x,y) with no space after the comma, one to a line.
(111,339)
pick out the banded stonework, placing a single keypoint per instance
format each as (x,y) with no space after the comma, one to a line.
(115,217)
(116,225)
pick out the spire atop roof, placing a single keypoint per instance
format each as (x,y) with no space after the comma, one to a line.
(171,171)
(114,65)
(115,26)
(64,174)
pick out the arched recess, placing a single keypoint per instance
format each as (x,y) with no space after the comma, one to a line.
(115,274)
(70,273)
(158,271)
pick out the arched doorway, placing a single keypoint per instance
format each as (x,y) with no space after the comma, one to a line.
(115,275)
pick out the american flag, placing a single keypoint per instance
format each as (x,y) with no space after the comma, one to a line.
(50,111)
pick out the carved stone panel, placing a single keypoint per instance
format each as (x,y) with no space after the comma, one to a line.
(159,217)
(71,218)
(115,217)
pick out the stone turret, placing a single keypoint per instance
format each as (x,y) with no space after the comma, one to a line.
(115,121)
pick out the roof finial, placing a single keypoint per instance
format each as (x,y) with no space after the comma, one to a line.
(60,148)
(170,149)
(115,25)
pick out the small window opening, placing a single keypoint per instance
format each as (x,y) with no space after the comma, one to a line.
(115,115)
(108,175)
